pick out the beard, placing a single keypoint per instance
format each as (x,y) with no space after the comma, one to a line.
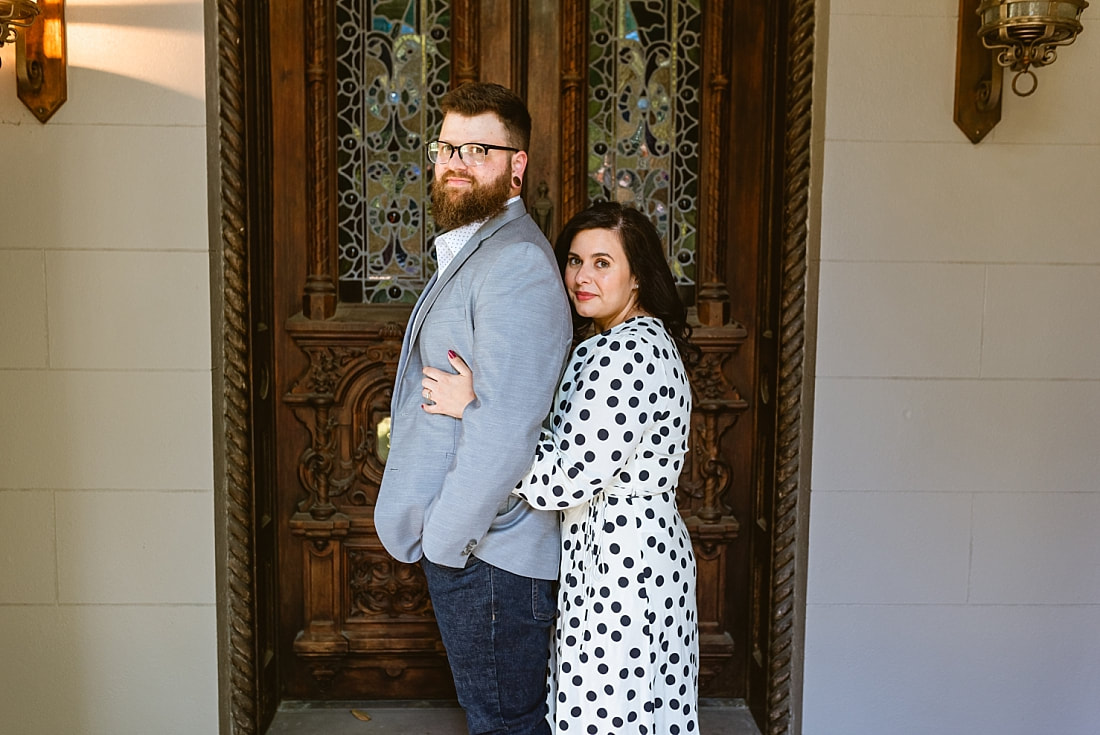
(452,209)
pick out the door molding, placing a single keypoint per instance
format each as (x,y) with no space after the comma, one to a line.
(232,375)
(240,382)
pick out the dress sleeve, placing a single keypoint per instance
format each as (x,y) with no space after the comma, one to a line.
(598,423)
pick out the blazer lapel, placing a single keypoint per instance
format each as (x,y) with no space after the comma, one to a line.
(407,339)
(436,284)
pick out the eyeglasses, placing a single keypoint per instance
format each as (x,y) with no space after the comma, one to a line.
(471,154)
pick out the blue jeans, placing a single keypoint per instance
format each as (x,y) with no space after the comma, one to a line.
(496,629)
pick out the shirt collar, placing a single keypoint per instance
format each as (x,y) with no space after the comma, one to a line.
(451,242)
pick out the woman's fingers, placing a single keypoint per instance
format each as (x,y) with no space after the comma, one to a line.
(458,363)
(433,374)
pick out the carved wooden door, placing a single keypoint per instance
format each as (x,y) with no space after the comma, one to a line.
(633,100)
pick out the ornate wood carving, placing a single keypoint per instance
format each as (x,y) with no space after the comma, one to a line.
(792,333)
(365,614)
(380,587)
(236,584)
(718,404)
(322,637)
(704,494)
(340,399)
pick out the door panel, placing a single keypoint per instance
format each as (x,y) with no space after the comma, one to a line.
(631,100)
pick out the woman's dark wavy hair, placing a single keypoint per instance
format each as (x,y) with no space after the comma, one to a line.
(646,257)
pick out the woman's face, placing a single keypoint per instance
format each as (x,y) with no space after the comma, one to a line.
(598,278)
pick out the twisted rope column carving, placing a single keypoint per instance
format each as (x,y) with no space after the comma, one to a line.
(796,187)
(236,371)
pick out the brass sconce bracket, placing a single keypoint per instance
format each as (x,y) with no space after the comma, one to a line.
(995,35)
(41,60)
(978,78)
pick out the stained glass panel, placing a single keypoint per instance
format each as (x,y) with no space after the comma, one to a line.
(393,63)
(643,116)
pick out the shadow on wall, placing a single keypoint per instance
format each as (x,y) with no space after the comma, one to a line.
(169,16)
(113,47)
(98,97)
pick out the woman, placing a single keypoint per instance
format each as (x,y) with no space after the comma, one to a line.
(626,641)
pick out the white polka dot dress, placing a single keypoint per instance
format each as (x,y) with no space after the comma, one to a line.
(626,651)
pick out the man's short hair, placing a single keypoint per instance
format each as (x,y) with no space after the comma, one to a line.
(477,98)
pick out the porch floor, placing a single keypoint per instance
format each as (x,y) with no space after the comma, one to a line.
(716,717)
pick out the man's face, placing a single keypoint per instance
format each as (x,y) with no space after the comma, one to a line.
(463,193)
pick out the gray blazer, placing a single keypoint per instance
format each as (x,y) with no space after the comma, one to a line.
(446,491)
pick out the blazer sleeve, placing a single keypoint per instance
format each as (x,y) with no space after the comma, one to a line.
(521,327)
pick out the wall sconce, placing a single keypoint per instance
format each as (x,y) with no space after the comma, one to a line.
(38,29)
(1006,34)
(15,14)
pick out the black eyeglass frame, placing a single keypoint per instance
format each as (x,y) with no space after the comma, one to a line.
(437,158)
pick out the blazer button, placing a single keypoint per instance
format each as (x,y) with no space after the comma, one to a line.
(469,547)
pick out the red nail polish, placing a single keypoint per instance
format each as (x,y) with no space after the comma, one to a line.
(451,354)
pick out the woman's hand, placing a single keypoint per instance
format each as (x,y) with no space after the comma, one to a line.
(448,393)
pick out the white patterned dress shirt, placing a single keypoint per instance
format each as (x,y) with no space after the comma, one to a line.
(450,243)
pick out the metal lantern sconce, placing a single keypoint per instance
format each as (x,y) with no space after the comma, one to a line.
(15,14)
(1017,35)
(38,29)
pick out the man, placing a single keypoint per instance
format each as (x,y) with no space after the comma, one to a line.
(497,300)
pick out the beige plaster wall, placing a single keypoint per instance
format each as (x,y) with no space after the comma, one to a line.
(106,489)
(954,563)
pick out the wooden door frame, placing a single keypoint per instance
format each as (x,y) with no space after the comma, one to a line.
(238,165)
